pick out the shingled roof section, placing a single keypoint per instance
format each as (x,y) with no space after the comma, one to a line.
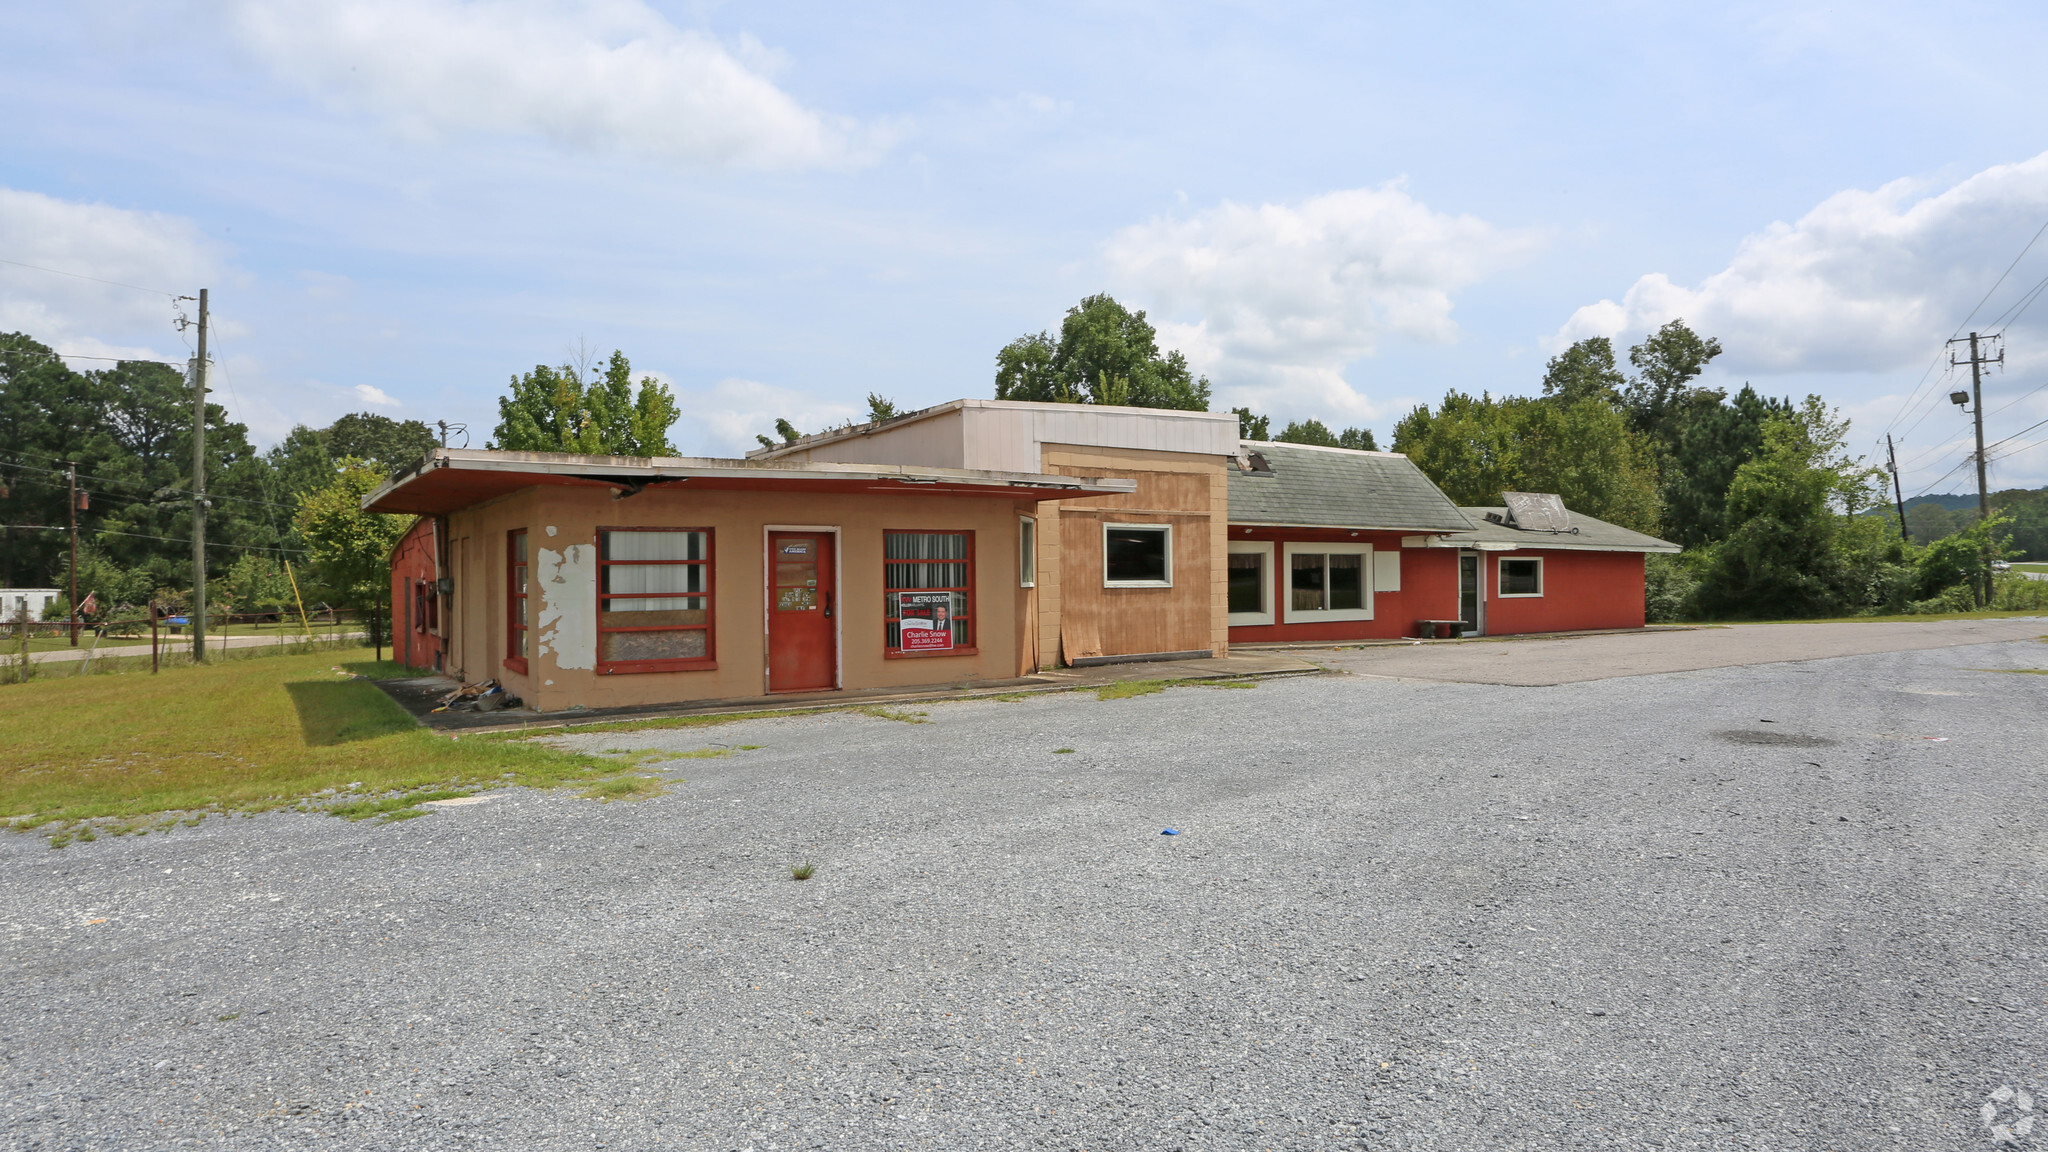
(1586,535)
(1313,487)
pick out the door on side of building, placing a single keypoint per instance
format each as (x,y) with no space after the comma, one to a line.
(803,649)
(1471,594)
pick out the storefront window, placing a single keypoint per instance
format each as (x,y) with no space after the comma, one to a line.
(1137,556)
(926,577)
(1521,577)
(654,599)
(1247,582)
(1328,582)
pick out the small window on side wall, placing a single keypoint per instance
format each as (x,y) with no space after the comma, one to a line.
(515,600)
(1521,577)
(1137,555)
(1027,552)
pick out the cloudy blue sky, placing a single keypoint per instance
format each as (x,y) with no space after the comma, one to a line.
(1336,211)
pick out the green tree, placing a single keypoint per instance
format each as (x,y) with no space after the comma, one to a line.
(558,410)
(1105,353)
(1711,440)
(348,550)
(1666,363)
(1250,427)
(1475,448)
(379,440)
(1797,546)
(880,408)
(1585,371)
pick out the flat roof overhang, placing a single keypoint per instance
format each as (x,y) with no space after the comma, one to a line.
(450,479)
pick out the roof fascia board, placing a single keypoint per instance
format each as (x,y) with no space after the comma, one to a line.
(1345,527)
(601,469)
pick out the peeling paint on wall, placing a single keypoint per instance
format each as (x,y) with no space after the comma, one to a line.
(567,621)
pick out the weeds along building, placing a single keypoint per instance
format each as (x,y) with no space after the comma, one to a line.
(977,540)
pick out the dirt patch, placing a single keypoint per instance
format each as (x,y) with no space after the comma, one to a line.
(1778,739)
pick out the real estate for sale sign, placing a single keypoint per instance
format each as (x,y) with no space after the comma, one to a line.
(926,620)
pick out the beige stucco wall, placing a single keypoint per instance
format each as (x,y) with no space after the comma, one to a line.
(562,525)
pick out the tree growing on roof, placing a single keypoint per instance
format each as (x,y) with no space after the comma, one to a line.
(559,410)
(1105,353)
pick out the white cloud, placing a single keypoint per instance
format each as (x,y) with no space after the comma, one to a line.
(71,313)
(370,394)
(580,73)
(1272,301)
(1866,281)
(723,420)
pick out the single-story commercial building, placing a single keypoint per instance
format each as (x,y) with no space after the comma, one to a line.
(974,540)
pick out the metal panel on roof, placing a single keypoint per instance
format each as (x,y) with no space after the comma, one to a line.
(1537,511)
(1312,487)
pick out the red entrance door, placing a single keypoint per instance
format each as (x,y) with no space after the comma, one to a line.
(802,648)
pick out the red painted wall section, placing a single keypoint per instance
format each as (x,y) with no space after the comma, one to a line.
(1581,590)
(414,640)
(1429,590)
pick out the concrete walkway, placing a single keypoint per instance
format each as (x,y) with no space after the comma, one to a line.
(170,646)
(419,695)
(1538,660)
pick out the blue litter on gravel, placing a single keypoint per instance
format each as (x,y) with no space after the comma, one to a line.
(1169,832)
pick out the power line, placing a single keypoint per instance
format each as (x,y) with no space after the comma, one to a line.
(2018,434)
(146,484)
(1912,397)
(94,279)
(166,539)
(83,356)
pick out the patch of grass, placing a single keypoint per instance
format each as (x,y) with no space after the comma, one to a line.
(897,714)
(1061,751)
(1223,683)
(803,871)
(1125,689)
(388,806)
(1011,697)
(625,788)
(229,1016)
(2015,671)
(238,735)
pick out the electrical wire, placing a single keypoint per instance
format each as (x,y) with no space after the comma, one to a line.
(146,536)
(144,484)
(94,279)
(1913,397)
(82,356)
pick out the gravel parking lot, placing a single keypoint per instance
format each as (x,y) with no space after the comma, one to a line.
(1791,906)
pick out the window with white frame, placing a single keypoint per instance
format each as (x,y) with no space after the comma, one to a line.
(1521,576)
(1251,582)
(1027,552)
(1327,582)
(1137,556)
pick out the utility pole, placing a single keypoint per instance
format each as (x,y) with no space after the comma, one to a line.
(1898,492)
(1977,361)
(199,492)
(71,470)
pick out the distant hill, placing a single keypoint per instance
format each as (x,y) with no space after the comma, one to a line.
(1953,502)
